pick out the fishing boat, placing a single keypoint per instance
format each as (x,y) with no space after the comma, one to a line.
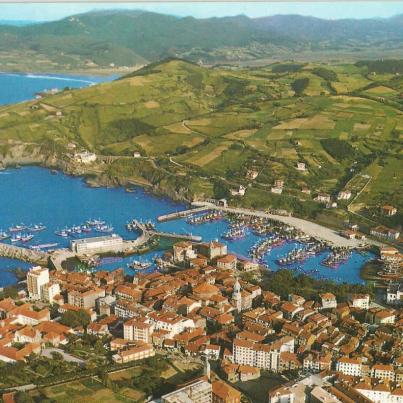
(138,265)
(63,233)
(86,228)
(44,246)
(336,258)
(37,228)
(105,228)
(18,228)
(234,233)
(26,237)
(4,235)
(16,238)
(93,222)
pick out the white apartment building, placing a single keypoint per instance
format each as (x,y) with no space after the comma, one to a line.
(137,330)
(97,244)
(394,294)
(380,393)
(197,392)
(49,291)
(171,322)
(36,278)
(349,366)
(360,301)
(328,301)
(257,355)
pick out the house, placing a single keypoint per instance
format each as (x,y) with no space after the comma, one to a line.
(238,192)
(279,183)
(183,251)
(301,166)
(349,366)
(277,190)
(227,262)
(328,300)
(388,210)
(344,195)
(394,294)
(85,157)
(252,174)
(281,394)
(224,393)
(322,198)
(360,301)
(385,233)
(136,352)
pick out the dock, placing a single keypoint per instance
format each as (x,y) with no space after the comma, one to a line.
(182,214)
(146,232)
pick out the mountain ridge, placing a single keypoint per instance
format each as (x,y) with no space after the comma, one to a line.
(126,38)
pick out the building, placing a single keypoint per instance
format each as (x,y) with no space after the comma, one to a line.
(252,174)
(349,366)
(323,198)
(183,251)
(137,352)
(197,392)
(36,278)
(281,394)
(388,211)
(227,262)
(394,294)
(344,195)
(49,291)
(301,166)
(224,393)
(212,249)
(277,190)
(382,371)
(85,157)
(360,301)
(85,299)
(137,330)
(238,192)
(385,233)
(320,395)
(97,244)
(328,300)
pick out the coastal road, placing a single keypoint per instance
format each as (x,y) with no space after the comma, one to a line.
(308,227)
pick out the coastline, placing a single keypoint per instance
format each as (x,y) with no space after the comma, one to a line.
(84,175)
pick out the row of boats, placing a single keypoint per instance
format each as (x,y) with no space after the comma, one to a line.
(89,226)
(21,232)
(300,254)
(261,248)
(203,218)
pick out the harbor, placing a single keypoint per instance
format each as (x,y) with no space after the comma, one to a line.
(79,210)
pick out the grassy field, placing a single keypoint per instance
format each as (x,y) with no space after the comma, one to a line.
(218,123)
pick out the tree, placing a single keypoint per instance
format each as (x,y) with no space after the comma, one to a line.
(75,318)
(23,397)
(300,85)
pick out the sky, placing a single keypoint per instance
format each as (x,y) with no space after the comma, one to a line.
(328,10)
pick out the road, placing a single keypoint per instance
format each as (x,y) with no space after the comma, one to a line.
(47,352)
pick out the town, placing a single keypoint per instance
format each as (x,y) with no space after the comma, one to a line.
(208,308)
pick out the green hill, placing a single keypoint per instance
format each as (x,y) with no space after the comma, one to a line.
(200,130)
(125,38)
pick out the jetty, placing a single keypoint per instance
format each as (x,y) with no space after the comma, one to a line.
(147,232)
(24,254)
(182,214)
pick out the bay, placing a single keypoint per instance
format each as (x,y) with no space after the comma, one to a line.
(33,195)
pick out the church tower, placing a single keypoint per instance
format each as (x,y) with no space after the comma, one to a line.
(236,295)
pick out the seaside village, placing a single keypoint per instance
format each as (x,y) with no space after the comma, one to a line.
(336,351)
